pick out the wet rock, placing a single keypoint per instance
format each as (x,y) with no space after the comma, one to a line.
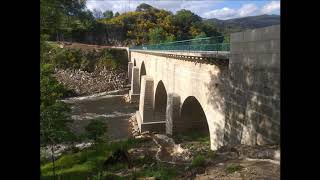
(82,146)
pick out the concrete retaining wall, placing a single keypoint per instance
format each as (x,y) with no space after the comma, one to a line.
(253,104)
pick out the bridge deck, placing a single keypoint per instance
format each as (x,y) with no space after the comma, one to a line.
(205,54)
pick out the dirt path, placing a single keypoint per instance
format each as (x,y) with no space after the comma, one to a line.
(248,170)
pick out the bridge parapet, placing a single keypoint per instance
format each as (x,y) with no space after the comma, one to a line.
(207,57)
(215,43)
(209,48)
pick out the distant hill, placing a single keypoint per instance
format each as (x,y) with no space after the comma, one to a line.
(239,24)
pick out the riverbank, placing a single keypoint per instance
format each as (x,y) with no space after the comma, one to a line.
(190,156)
(157,156)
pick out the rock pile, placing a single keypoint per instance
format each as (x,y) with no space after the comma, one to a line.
(86,83)
(266,152)
(126,98)
(134,129)
(133,126)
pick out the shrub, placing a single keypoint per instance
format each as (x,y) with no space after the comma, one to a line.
(159,171)
(199,160)
(96,130)
(212,154)
(231,168)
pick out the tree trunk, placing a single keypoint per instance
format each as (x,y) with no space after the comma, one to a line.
(57,37)
(53,163)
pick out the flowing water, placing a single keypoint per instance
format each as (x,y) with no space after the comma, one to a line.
(108,107)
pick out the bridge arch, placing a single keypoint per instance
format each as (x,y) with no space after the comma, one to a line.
(142,71)
(193,117)
(160,102)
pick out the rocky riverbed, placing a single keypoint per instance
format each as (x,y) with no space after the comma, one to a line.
(87,83)
(229,162)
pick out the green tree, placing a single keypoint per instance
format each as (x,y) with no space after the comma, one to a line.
(54,114)
(209,29)
(50,89)
(170,38)
(54,127)
(97,13)
(201,35)
(56,16)
(157,35)
(183,20)
(116,14)
(108,14)
(96,131)
(143,7)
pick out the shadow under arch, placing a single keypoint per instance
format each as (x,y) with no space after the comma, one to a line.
(160,102)
(142,71)
(193,117)
(134,62)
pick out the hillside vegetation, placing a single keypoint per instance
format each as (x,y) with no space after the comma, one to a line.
(145,25)
(71,21)
(240,24)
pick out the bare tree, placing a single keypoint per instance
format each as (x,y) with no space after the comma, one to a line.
(97,13)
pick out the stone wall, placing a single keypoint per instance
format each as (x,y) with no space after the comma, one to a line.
(253,103)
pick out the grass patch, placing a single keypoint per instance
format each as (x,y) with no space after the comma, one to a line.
(202,137)
(143,159)
(212,154)
(86,163)
(160,171)
(199,160)
(89,164)
(231,168)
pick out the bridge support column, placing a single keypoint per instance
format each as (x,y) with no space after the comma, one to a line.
(129,54)
(130,66)
(172,113)
(134,93)
(145,114)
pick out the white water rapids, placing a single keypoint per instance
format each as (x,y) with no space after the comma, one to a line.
(110,107)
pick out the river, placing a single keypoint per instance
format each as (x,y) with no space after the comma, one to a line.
(110,107)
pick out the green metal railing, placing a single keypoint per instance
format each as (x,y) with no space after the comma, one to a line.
(217,43)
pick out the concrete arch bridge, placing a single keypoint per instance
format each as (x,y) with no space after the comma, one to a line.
(234,95)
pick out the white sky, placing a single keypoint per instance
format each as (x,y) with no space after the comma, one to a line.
(221,9)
